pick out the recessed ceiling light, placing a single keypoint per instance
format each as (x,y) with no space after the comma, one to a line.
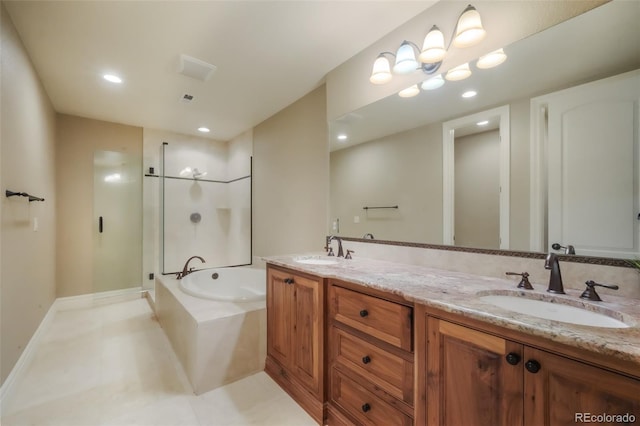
(112,78)
(482,123)
(469,94)
(342,137)
(204,129)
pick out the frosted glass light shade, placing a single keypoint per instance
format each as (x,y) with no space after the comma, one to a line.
(492,59)
(405,59)
(409,92)
(433,49)
(433,83)
(458,73)
(381,71)
(469,30)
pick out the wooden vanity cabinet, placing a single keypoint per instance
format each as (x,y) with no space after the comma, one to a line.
(371,358)
(468,376)
(295,336)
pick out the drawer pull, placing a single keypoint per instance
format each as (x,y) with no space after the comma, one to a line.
(513,358)
(366,407)
(532,366)
(366,359)
(364,313)
(288,280)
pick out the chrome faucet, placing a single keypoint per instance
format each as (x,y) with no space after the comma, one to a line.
(339,240)
(186,270)
(555,278)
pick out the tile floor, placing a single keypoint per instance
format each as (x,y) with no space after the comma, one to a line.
(113,365)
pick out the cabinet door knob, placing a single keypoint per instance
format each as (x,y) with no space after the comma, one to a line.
(288,280)
(532,366)
(366,407)
(364,313)
(513,358)
(366,359)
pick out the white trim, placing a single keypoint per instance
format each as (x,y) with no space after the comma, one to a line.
(18,370)
(448,171)
(97,299)
(60,304)
(537,174)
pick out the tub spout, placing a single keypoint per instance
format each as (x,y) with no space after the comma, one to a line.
(186,270)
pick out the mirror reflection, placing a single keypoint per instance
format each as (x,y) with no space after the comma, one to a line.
(419,153)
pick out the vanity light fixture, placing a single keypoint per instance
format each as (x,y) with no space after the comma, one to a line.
(433,83)
(112,78)
(469,94)
(492,59)
(204,129)
(409,92)
(468,32)
(458,73)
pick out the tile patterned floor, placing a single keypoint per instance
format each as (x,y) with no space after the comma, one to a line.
(112,365)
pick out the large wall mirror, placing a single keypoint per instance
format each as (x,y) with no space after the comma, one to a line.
(420,170)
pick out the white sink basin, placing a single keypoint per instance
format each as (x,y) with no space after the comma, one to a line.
(316,260)
(553,311)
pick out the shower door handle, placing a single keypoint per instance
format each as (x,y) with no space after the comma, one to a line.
(100,225)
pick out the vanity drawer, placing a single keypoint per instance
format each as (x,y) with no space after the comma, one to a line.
(382,319)
(362,405)
(387,371)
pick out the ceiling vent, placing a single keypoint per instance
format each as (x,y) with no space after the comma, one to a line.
(195,68)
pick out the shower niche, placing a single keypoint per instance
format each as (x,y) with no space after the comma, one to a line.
(205,192)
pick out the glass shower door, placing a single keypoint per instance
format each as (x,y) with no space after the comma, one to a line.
(117,229)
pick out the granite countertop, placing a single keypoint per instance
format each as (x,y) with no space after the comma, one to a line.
(460,293)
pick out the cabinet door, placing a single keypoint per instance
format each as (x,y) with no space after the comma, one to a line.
(469,381)
(565,392)
(307,310)
(279,315)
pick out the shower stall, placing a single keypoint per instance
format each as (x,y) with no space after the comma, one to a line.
(205,198)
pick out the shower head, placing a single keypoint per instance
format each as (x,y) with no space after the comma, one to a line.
(197,174)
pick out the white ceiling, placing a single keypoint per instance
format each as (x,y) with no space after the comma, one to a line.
(601,42)
(268,54)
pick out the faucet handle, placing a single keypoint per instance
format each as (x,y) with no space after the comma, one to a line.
(524,282)
(590,292)
(330,252)
(348,256)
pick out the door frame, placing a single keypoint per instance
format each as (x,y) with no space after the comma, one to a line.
(539,136)
(448,172)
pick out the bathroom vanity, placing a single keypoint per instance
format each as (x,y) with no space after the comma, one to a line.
(378,343)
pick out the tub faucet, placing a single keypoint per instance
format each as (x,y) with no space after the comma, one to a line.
(555,278)
(186,270)
(339,240)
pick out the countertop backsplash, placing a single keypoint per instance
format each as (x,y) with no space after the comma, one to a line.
(574,275)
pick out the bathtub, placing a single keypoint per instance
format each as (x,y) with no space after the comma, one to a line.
(238,284)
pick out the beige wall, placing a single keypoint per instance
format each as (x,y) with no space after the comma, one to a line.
(477,190)
(290,180)
(407,166)
(403,169)
(77,139)
(27,257)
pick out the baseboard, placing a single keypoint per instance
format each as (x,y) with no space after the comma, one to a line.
(97,299)
(27,355)
(60,304)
